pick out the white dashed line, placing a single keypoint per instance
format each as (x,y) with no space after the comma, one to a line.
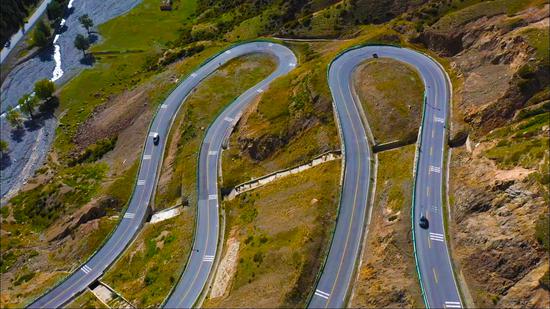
(86,269)
(437,237)
(452,304)
(208,258)
(322,294)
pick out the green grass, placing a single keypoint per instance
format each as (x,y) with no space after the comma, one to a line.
(198,112)
(284,229)
(521,143)
(391,93)
(472,10)
(291,124)
(539,39)
(73,188)
(145,26)
(151,266)
(86,300)
(394,183)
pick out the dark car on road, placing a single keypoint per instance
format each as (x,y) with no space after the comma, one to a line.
(424,222)
(375,55)
(156,138)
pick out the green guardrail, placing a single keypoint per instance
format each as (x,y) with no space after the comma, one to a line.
(209,59)
(139,167)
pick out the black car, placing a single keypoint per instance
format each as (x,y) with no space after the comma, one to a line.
(424,222)
(375,55)
(156,138)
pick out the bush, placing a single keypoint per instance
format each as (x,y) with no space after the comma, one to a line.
(95,151)
(542,231)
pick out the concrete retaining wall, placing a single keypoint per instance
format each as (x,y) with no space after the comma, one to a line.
(258,182)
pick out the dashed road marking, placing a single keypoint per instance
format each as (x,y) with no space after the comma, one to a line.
(437,237)
(435,275)
(141,182)
(129,215)
(208,258)
(146,157)
(431,150)
(452,304)
(435,169)
(322,294)
(428,191)
(86,269)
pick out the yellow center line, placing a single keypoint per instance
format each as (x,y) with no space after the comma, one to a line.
(353,209)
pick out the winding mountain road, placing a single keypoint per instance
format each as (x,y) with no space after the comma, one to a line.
(196,274)
(433,262)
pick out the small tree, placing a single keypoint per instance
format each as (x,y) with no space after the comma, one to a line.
(55,10)
(28,104)
(13,116)
(44,89)
(41,34)
(4,148)
(86,22)
(81,43)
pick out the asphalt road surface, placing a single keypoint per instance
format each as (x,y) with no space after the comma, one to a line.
(436,274)
(200,263)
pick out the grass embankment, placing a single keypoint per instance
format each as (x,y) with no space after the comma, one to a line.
(151,266)
(178,180)
(391,93)
(86,300)
(61,193)
(387,276)
(291,123)
(284,230)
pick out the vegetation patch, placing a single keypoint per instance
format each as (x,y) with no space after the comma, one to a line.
(284,229)
(86,300)
(178,181)
(391,93)
(152,265)
(387,276)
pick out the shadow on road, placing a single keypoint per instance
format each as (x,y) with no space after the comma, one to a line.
(17,134)
(5,161)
